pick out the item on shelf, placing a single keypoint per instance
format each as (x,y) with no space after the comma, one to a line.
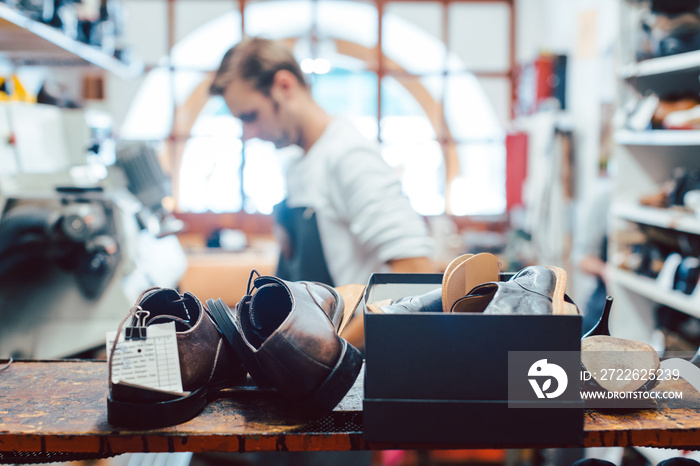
(684,180)
(673,192)
(676,112)
(682,119)
(681,331)
(652,261)
(667,276)
(687,275)
(38,10)
(692,201)
(665,31)
(642,112)
(54,94)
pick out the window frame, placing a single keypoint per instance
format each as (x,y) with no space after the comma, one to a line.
(185,115)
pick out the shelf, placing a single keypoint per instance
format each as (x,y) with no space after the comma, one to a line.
(25,41)
(682,62)
(664,218)
(649,288)
(658,138)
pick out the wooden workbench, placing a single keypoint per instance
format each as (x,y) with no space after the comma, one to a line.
(56,410)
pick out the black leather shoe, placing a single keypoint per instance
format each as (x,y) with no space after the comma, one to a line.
(533,290)
(206,364)
(428,302)
(286,334)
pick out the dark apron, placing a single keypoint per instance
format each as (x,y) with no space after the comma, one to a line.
(301,250)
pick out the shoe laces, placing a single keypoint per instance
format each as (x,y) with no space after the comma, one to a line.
(251,281)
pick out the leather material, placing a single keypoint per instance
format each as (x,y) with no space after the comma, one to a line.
(291,327)
(530,291)
(286,333)
(206,364)
(428,302)
(199,343)
(204,359)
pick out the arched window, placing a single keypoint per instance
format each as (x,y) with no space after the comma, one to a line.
(430,114)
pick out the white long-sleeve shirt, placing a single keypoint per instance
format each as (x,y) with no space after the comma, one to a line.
(364,219)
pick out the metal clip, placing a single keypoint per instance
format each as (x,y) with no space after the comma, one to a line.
(138,331)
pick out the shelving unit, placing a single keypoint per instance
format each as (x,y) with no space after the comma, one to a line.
(646,160)
(658,138)
(663,218)
(24,41)
(650,289)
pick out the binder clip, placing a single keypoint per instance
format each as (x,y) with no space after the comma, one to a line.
(137,330)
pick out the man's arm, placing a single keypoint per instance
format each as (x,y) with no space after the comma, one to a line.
(412,265)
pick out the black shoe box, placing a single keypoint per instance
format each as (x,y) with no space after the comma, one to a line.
(442,380)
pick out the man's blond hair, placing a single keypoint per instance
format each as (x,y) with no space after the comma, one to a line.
(255,60)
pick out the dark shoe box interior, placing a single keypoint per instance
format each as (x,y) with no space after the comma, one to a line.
(441,378)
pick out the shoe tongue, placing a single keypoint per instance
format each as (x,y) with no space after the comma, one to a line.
(166,305)
(270,306)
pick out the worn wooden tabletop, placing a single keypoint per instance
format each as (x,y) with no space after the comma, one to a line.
(57,409)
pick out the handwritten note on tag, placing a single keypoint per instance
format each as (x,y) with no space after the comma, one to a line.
(152,363)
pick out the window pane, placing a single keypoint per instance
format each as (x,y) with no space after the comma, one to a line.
(353,21)
(468,110)
(479,189)
(278,19)
(407,100)
(420,165)
(498,92)
(351,95)
(263,179)
(192,14)
(342,92)
(205,45)
(485,24)
(412,36)
(146,29)
(215,119)
(150,115)
(209,175)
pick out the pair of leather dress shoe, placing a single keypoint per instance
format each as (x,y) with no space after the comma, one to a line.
(285,335)
(471,284)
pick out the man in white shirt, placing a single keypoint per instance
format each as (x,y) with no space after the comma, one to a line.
(345,215)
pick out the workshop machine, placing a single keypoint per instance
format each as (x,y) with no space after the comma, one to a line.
(78,243)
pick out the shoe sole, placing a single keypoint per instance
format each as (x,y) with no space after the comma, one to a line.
(220,312)
(335,387)
(153,415)
(329,393)
(469,273)
(448,273)
(351,296)
(559,304)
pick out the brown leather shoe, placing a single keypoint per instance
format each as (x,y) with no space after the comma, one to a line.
(206,364)
(286,334)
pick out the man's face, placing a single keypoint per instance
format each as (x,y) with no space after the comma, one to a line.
(261,116)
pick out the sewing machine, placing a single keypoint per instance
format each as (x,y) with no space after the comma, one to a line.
(79,241)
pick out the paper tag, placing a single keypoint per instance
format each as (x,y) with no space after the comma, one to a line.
(153,362)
